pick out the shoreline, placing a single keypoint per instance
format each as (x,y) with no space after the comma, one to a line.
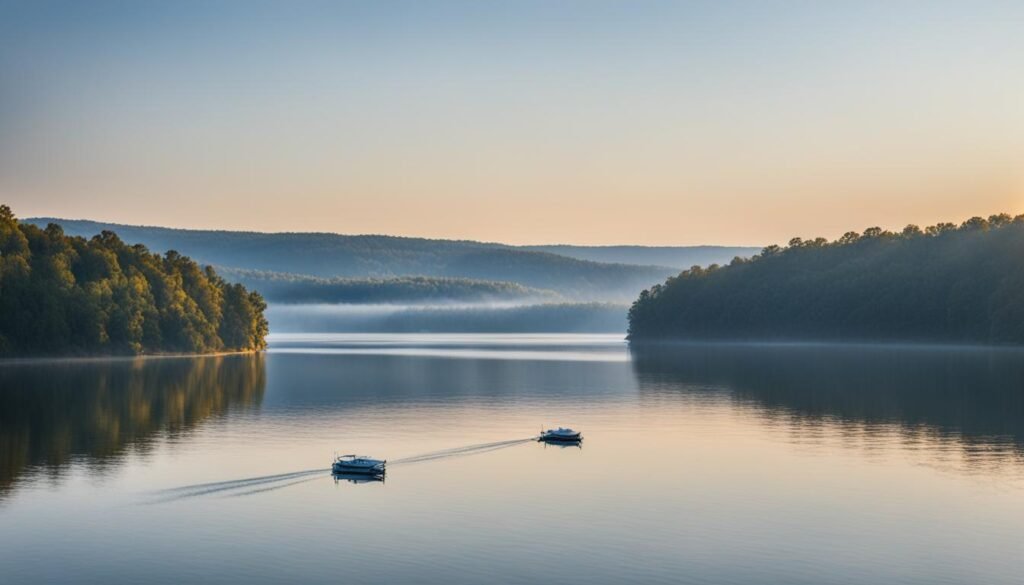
(920,345)
(42,359)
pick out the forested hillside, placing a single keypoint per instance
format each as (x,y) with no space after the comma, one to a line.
(333,255)
(69,294)
(677,257)
(280,287)
(946,283)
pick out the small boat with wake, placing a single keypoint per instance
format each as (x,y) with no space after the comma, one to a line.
(560,435)
(358,465)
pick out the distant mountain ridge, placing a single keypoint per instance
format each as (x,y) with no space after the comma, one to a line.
(679,257)
(329,255)
(281,287)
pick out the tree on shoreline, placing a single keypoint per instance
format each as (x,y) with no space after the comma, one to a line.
(61,294)
(941,284)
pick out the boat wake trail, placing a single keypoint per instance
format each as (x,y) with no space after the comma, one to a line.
(460,451)
(265,483)
(271,488)
(206,489)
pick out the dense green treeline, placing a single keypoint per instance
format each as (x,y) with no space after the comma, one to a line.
(61,294)
(946,283)
(283,287)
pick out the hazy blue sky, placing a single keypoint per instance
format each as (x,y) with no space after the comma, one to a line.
(520,121)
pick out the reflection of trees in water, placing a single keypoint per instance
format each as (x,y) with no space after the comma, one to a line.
(972,396)
(53,412)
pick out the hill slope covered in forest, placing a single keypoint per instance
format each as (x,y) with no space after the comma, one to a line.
(947,283)
(328,255)
(68,294)
(280,287)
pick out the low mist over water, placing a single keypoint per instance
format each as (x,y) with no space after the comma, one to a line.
(449,317)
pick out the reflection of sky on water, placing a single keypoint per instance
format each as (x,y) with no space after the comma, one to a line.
(712,464)
(559,341)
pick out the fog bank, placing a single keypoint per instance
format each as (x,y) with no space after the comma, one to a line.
(449,318)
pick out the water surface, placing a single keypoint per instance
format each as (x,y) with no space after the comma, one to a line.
(701,464)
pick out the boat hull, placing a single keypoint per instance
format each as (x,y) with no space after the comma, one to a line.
(358,477)
(562,438)
(357,470)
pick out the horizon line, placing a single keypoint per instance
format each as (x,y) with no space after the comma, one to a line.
(37,218)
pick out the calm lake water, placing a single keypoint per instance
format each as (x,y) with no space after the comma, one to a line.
(701,464)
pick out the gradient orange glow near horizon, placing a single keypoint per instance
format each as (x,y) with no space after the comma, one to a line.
(654,123)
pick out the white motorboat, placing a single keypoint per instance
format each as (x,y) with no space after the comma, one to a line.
(345,464)
(560,434)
